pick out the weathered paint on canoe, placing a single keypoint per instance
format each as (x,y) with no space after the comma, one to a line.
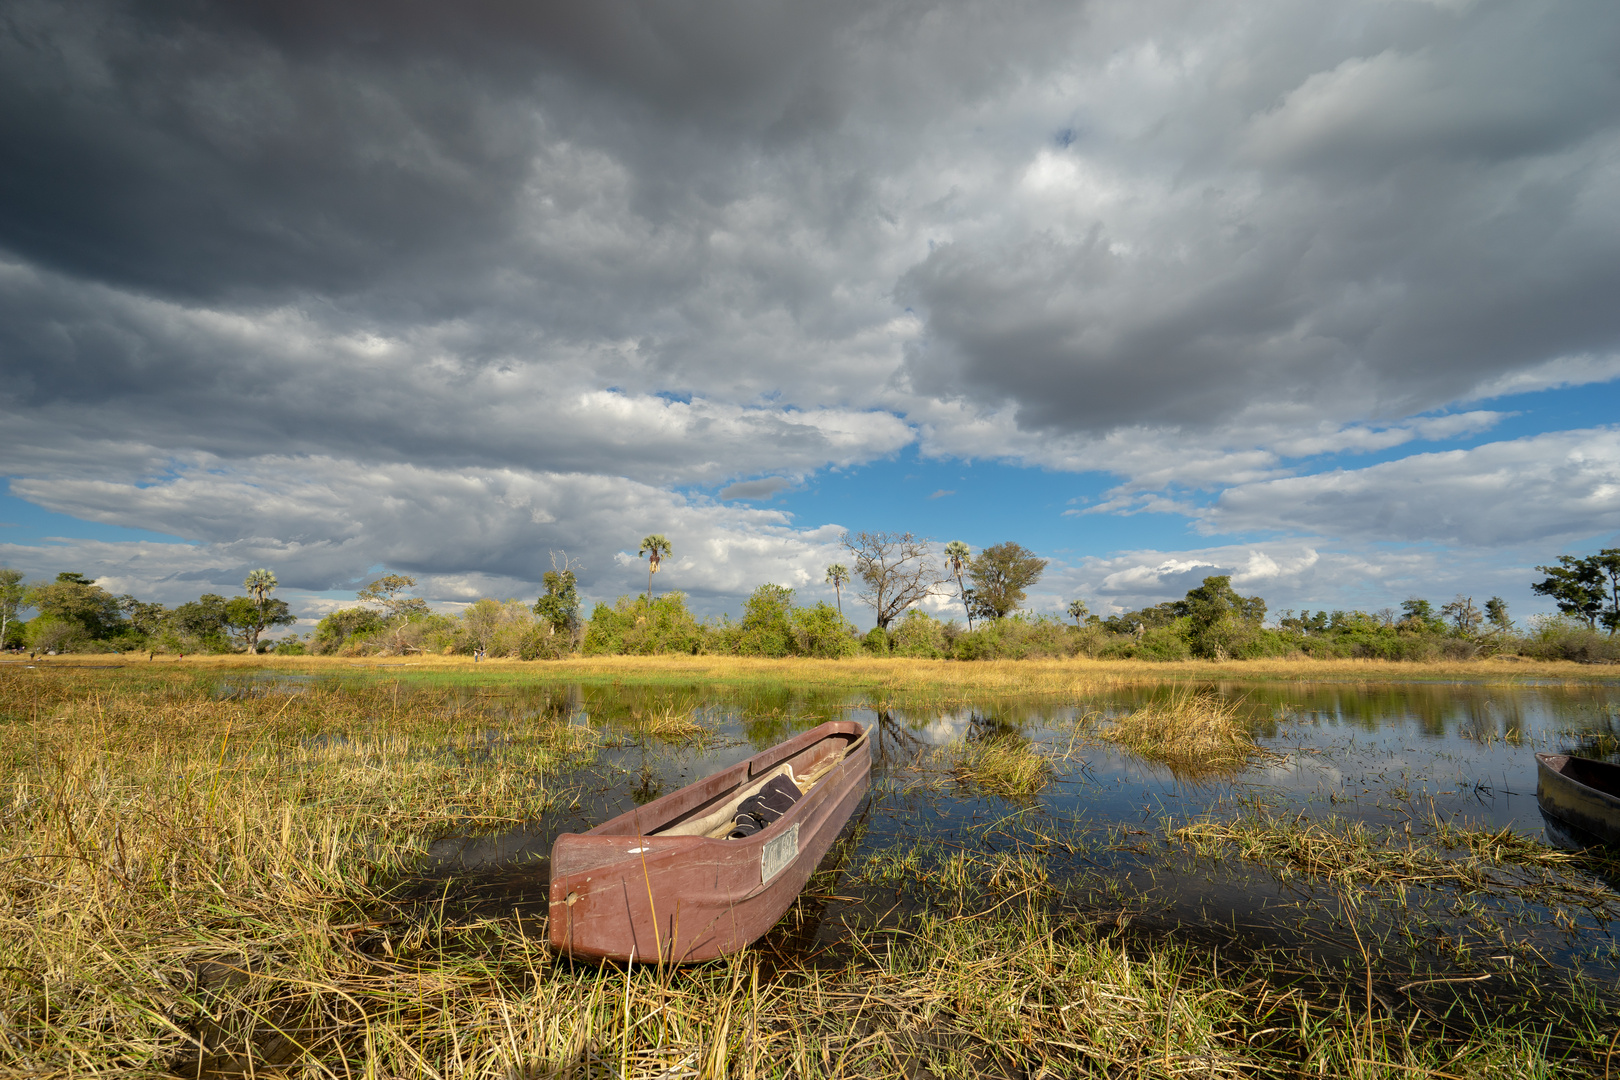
(621,891)
(1580,792)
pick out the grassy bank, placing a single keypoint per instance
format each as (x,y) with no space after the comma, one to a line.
(1069,678)
(201,883)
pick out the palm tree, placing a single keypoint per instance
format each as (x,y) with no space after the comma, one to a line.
(956,554)
(838,577)
(1078,611)
(656,548)
(261,583)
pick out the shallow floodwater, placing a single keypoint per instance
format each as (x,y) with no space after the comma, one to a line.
(1413,757)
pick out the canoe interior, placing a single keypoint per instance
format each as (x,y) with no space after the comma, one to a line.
(696,798)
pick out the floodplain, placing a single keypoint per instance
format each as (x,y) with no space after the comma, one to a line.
(332,869)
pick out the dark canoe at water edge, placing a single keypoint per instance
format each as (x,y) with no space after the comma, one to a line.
(1581,792)
(634,887)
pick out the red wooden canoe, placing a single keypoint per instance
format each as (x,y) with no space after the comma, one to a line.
(642,886)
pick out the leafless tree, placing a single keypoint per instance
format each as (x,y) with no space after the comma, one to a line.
(898,570)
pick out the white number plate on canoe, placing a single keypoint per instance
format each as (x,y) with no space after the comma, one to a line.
(778,853)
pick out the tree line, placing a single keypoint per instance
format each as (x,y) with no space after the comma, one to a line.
(891,573)
(74,614)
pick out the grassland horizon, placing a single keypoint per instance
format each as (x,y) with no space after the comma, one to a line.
(1075,675)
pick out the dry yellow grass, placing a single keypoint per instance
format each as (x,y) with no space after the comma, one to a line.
(1193,732)
(1066,678)
(189,885)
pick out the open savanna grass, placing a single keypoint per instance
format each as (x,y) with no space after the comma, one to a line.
(1195,732)
(946,680)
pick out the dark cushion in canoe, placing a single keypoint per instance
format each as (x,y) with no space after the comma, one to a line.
(760,809)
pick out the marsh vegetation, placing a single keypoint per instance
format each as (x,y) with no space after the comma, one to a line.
(222,870)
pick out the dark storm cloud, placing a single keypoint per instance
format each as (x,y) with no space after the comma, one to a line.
(1418,215)
(260,259)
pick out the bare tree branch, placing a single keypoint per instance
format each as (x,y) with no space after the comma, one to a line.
(898,569)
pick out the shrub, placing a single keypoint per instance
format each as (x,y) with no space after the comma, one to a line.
(347,628)
(1559,637)
(875,642)
(823,631)
(1018,637)
(767,625)
(47,632)
(637,628)
(919,634)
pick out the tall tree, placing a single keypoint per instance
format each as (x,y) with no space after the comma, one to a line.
(1219,621)
(1577,586)
(1078,611)
(387,592)
(11,599)
(246,618)
(1607,564)
(838,577)
(1465,617)
(1000,575)
(656,549)
(259,584)
(1496,613)
(898,570)
(956,558)
(559,607)
(78,602)
(204,623)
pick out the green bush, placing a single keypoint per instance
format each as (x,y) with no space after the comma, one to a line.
(1020,637)
(1560,637)
(823,631)
(920,635)
(47,632)
(346,628)
(1160,643)
(634,627)
(876,642)
(767,623)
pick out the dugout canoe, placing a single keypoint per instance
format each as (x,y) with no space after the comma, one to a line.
(652,885)
(1581,792)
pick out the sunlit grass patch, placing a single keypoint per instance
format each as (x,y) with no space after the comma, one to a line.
(673,724)
(1007,766)
(1192,731)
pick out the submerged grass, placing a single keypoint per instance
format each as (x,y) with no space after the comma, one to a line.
(1351,853)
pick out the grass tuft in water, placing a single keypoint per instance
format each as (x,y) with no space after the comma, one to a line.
(1007,766)
(1192,731)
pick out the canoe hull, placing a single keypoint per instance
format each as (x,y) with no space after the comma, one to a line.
(622,891)
(1580,792)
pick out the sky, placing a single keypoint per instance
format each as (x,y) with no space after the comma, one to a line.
(1320,297)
